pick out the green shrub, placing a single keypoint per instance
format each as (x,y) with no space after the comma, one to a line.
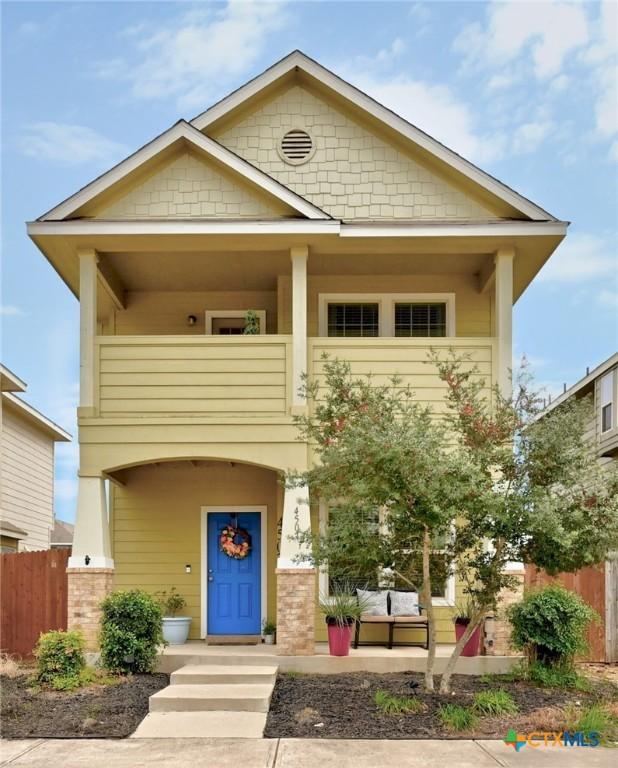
(457,718)
(494,703)
(595,718)
(59,655)
(397,705)
(550,625)
(130,631)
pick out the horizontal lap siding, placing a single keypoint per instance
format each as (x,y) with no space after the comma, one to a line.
(210,376)
(406,359)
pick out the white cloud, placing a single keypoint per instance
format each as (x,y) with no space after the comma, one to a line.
(608,298)
(10,310)
(192,58)
(529,136)
(580,258)
(549,31)
(433,108)
(68,144)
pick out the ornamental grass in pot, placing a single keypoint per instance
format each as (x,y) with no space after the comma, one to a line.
(464,613)
(341,610)
(175,628)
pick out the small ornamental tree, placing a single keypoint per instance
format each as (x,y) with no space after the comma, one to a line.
(540,495)
(378,449)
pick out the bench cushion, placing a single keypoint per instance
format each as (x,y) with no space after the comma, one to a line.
(410,619)
(367,618)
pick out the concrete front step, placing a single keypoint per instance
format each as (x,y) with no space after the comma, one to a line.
(227,698)
(201,674)
(237,725)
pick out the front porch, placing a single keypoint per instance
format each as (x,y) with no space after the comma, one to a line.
(366,659)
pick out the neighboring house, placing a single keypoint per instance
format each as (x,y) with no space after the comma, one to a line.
(347,231)
(62,535)
(26,470)
(598,585)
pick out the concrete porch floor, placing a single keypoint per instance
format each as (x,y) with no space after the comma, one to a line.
(366,659)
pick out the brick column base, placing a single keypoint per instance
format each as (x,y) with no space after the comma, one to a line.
(87,587)
(295,611)
(502,627)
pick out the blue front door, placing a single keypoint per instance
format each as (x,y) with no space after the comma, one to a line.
(234,586)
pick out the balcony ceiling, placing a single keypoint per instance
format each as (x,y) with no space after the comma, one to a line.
(258,270)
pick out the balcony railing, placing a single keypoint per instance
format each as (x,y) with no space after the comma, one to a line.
(251,376)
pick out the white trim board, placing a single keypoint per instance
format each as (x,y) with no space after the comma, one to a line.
(293,226)
(387,303)
(204,512)
(184,130)
(297,60)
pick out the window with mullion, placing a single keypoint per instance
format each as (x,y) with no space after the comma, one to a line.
(354,319)
(420,319)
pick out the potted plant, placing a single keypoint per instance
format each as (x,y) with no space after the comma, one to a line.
(464,612)
(341,611)
(269,630)
(175,627)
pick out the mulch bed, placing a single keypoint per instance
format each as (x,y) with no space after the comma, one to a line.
(343,707)
(111,711)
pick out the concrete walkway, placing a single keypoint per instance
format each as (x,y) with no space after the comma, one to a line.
(292,753)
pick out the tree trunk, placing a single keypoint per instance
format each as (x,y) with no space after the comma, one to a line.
(445,682)
(431,633)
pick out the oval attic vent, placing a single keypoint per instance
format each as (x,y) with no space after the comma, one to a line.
(296,146)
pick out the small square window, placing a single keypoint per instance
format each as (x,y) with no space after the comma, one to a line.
(420,320)
(354,320)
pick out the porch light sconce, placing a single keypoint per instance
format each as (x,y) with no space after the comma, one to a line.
(87,559)
(191,319)
(187,569)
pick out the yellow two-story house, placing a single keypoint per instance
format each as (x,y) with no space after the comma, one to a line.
(341,228)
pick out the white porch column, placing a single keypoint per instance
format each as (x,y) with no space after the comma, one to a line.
(299,255)
(91,539)
(296,514)
(504,316)
(87,325)
(90,570)
(296,582)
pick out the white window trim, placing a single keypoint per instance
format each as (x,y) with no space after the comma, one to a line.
(386,310)
(213,314)
(449,594)
(263,511)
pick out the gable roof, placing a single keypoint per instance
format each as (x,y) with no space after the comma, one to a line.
(35,417)
(184,131)
(298,61)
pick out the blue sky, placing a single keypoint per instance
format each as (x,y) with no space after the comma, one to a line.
(526,90)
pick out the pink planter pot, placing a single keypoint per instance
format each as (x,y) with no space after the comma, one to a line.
(339,639)
(471,648)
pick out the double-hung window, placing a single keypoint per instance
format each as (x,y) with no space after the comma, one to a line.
(393,315)
(608,405)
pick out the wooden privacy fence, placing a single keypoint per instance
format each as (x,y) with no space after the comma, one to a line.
(33,597)
(597,586)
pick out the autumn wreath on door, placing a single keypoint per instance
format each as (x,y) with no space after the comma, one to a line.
(235,542)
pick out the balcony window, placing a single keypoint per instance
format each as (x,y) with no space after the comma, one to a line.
(607,402)
(398,315)
(353,320)
(420,320)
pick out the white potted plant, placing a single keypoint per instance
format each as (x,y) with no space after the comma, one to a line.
(269,631)
(175,627)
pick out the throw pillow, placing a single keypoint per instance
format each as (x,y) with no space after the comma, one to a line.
(404,604)
(378,605)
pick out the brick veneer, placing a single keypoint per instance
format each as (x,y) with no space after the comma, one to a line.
(502,627)
(295,611)
(86,589)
